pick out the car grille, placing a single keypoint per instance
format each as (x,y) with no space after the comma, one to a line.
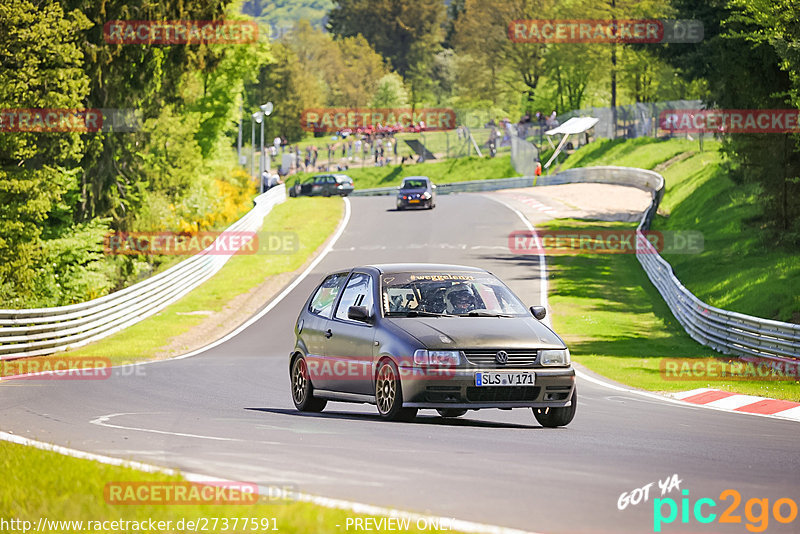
(516,357)
(502,393)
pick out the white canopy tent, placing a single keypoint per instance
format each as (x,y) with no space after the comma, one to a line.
(575,125)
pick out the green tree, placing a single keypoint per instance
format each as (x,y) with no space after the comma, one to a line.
(481,34)
(347,69)
(573,67)
(406,32)
(747,61)
(41,57)
(390,92)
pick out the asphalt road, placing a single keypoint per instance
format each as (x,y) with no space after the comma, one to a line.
(227,412)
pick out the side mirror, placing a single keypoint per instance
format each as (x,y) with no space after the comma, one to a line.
(358,313)
(539,312)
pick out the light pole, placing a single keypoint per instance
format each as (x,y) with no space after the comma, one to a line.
(239,141)
(266,109)
(253,144)
(257,118)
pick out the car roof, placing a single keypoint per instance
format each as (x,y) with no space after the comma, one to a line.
(385,268)
(416,178)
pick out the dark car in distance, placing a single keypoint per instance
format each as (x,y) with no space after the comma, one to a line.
(424,336)
(325,185)
(416,192)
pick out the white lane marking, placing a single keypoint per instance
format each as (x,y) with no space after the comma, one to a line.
(791,413)
(13,438)
(542,261)
(584,376)
(274,302)
(418,246)
(103,421)
(355,507)
(535,204)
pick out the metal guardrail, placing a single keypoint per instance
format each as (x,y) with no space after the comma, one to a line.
(42,331)
(457,187)
(724,331)
(49,330)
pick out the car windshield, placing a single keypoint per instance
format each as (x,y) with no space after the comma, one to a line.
(468,294)
(415,184)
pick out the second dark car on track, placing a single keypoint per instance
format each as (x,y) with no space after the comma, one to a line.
(413,336)
(416,192)
(325,185)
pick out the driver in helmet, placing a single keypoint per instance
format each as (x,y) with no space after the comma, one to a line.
(460,298)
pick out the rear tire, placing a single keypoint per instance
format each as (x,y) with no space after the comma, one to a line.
(553,417)
(389,394)
(451,412)
(303,390)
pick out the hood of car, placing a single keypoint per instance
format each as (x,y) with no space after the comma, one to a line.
(479,332)
(418,191)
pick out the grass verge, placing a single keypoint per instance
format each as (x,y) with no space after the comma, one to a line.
(239,275)
(44,484)
(623,328)
(740,268)
(617,324)
(642,152)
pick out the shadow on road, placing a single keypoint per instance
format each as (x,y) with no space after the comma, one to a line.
(420,420)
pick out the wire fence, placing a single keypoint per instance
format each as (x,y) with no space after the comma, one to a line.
(634,120)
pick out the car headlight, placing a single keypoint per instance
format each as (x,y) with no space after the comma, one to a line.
(426,196)
(554,357)
(437,357)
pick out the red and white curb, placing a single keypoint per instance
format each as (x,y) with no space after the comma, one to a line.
(725,400)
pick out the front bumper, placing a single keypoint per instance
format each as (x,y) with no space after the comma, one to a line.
(423,203)
(552,388)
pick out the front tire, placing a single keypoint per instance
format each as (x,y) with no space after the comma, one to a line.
(389,394)
(451,412)
(302,390)
(553,417)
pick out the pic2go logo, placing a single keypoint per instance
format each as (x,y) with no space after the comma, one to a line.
(756,511)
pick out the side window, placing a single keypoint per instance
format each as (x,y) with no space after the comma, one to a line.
(325,296)
(358,292)
(331,180)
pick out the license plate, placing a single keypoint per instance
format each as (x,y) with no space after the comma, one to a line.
(413,201)
(504,379)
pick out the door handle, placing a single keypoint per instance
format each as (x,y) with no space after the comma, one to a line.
(328,333)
